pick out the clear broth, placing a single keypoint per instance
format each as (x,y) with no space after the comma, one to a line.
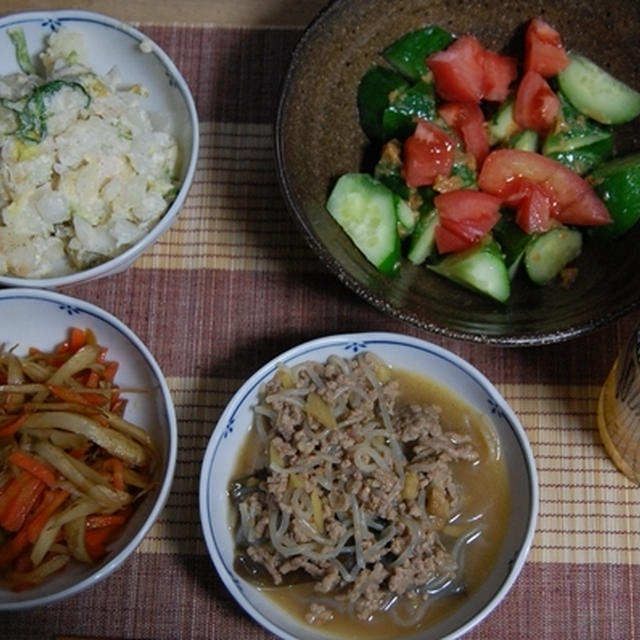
(474,480)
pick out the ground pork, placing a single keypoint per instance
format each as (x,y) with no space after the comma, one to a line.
(358,505)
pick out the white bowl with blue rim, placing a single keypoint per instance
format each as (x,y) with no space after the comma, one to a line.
(139,60)
(410,354)
(42,318)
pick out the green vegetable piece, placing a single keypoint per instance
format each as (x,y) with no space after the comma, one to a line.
(407,54)
(374,96)
(366,210)
(32,109)
(618,184)
(513,241)
(481,269)
(388,169)
(16,34)
(577,141)
(502,124)
(596,93)
(422,243)
(406,216)
(526,140)
(549,253)
(417,101)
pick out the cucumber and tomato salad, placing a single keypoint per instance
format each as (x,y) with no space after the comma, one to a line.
(488,165)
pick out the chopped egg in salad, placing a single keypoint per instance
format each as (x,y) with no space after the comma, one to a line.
(84,174)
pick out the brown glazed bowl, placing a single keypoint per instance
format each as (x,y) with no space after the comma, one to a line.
(318,138)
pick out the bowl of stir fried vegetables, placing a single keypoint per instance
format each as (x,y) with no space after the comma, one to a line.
(99,141)
(473,170)
(88,442)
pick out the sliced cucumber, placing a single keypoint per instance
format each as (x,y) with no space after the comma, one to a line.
(596,93)
(502,124)
(366,210)
(388,169)
(513,241)
(422,242)
(408,53)
(481,269)
(417,101)
(526,140)
(374,91)
(406,216)
(550,252)
(618,184)
(577,141)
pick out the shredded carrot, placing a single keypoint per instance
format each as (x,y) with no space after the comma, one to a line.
(13,548)
(96,540)
(51,500)
(115,467)
(77,339)
(92,380)
(8,495)
(110,370)
(35,467)
(69,395)
(13,424)
(16,512)
(99,521)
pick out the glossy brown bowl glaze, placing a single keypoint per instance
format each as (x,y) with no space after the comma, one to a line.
(318,138)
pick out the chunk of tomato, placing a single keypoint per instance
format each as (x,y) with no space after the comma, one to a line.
(458,70)
(536,210)
(577,203)
(448,241)
(536,105)
(544,52)
(467,120)
(464,214)
(498,72)
(428,154)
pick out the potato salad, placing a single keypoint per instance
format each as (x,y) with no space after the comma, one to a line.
(84,174)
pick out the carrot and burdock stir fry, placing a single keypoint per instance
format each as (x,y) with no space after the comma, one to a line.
(71,466)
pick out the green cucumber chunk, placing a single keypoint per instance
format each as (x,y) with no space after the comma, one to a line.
(388,169)
(366,211)
(407,54)
(596,93)
(375,89)
(618,184)
(550,252)
(502,124)
(513,242)
(480,269)
(526,140)
(422,242)
(406,216)
(577,141)
(417,101)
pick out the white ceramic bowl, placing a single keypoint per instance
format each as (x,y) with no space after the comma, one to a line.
(113,43)
(409,354)
(41,318)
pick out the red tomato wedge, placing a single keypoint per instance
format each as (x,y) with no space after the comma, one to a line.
(467,120)
(465,216)
(577,203)
(458,70)
(536,210)
(536,105)
(428,154)
(544,52)
(498,72)
(467,72)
